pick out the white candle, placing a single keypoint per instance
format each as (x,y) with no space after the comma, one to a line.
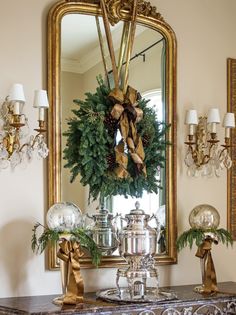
(41,114)
(227,132)
(16,108)
(228,122)
(213,127)
(191,130)
(213,118)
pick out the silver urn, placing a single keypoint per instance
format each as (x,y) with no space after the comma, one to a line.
(103,231)
(138,245)
(137,240)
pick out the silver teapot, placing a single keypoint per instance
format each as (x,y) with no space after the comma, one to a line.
(103,231)
(138,240)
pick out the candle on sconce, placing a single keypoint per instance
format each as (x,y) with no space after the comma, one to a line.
(228,123)
(203,146)
(191,119)
(41,114)
(213,118)
(16,108)
(41,102)
(17,97)
(16,146)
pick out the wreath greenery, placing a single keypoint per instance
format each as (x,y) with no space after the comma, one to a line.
(91,138)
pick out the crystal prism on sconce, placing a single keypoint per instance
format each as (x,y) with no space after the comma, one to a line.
(16,145)
(204,155)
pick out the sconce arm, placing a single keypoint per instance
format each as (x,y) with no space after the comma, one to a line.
(28,144)
(225,146)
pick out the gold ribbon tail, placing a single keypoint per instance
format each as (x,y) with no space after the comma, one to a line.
(122,161)
(70,252)
(209,274)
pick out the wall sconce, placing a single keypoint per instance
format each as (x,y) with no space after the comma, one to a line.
(203,155)
(16,145)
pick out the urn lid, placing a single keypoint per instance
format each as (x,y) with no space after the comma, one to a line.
(103,214)
(137,209)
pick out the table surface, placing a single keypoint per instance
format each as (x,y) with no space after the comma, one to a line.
(43,304)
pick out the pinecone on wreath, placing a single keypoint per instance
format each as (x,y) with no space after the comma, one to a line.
(146,140)
(111,161)
(110,123)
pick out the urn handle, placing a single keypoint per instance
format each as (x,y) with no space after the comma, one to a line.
(89,216)
(114,221)
(116,217)
(154,216)
(124,219)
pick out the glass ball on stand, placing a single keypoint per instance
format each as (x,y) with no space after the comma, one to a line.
(64,217)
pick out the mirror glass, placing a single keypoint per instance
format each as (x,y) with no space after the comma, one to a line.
(74,62)
(81,63)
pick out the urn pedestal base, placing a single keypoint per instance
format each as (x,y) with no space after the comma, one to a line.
(137,282)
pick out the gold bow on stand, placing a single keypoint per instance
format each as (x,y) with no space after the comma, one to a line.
(70,253)
(209,274)
(125,108)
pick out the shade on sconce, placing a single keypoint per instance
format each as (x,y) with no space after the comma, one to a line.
(191,117)
(229,120)
(17,93)
(41,102)
(41,99)
(213,116)
(14,149)
(204,155)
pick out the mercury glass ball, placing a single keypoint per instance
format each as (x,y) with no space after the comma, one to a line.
(204,217)
(64,217)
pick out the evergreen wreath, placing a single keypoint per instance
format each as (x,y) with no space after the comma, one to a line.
(91,139)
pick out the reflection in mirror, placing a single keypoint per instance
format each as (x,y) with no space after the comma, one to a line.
(74,61)
(81,63)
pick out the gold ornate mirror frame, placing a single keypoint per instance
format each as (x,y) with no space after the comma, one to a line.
(146,16)
(231,187)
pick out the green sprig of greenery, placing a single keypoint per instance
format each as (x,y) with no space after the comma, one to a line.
(89,142)
(87,242)
(197,236)
(48,236)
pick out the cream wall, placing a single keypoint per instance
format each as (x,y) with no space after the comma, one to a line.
(206,37)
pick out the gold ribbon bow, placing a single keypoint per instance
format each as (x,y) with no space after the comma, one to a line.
(126,111)
(70,252)
(209,275)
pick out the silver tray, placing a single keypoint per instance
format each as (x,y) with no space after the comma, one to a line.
(112,295)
